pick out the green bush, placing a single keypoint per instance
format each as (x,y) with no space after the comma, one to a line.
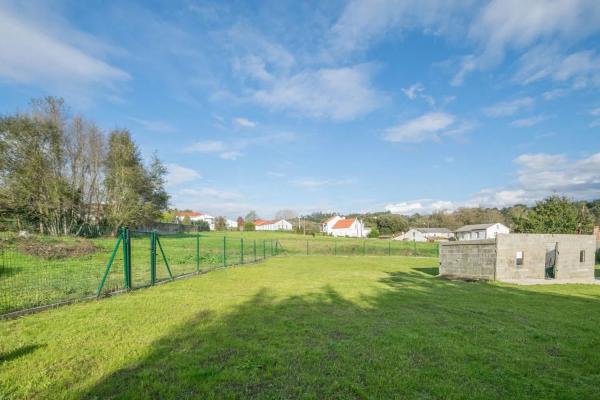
(249,226)
(374,233)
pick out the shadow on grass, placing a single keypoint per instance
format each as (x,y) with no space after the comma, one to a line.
(419,337)
(19,352)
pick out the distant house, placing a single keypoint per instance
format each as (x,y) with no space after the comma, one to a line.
(481,231)
(426,235)
(231,224)
(274,225)
(338,226)
(195,217)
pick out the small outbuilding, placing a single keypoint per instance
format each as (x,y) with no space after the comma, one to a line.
(481,231)
(523,258)
(425,234)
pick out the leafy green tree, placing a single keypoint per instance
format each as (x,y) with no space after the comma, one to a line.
(220,224)
(391,223)
(126,181)
(555,214)
(203,226)
(374,233)
(251,216)
(249,226)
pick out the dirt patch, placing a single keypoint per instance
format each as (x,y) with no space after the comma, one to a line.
(56,250)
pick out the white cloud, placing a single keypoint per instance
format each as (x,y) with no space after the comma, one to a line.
(541,175)
(154,125)
(244,122)
(412,91)
(417,90)
(538,176)
(178,174)
(595,111)
(233,149)
(529,121)
(363,22)
(211,201)
(507,108)
(554,94)
(206,146)
(581,68)
(430,126)
(230,155)
(314,184)
(334,93)
(31,55)
(423,206)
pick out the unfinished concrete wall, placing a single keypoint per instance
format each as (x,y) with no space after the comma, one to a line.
(468,259)
(534,248)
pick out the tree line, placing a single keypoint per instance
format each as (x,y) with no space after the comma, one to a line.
(555,214)
(60,174)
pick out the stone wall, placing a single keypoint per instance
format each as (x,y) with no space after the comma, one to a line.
(534,247)
(468,259)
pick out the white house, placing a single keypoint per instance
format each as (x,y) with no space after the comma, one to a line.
(425,234)
(195,217)
(338,226)
(275,225)
(231,224)
(481,231)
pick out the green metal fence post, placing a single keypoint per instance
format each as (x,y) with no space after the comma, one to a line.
(271,247)
(126,257)
(264,249)
(254,250)
(242,250)
(153,258)
(307,247)
(224,251)
(198,252)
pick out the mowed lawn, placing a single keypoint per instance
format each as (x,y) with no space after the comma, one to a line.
(312,327)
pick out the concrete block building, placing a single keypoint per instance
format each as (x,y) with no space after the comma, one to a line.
(521,258)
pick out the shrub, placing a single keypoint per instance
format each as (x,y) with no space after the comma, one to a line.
(249,226)
(374,233)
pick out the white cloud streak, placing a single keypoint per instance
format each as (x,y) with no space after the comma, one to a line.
(508,108)
(430,126)
(30,55)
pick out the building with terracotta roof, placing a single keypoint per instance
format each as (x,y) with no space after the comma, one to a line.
(349,227)
(195,217)
(272,225)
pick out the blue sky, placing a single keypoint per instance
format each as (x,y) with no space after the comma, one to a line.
(407,106)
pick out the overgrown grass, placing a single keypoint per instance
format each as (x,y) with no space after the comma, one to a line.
(43,270)
(318,327)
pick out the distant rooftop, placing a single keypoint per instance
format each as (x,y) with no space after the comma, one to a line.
(475,227)
(432,230)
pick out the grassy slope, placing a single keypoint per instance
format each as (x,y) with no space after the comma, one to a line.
(319,327)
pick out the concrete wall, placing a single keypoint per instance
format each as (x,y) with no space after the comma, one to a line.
(533,246)
(469,259)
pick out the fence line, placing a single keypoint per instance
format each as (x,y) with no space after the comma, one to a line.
(43,271)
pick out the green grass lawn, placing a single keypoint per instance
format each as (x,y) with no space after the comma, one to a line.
(312,327)
(44,270)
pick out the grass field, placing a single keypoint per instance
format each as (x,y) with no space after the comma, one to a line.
(318,327)
(43,270)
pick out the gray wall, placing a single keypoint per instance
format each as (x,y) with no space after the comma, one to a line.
(468,259)
(534,247)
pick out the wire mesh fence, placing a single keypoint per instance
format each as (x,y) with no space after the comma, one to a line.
(39,271)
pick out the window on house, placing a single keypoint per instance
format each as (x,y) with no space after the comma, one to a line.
(582,256)
(519,258)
